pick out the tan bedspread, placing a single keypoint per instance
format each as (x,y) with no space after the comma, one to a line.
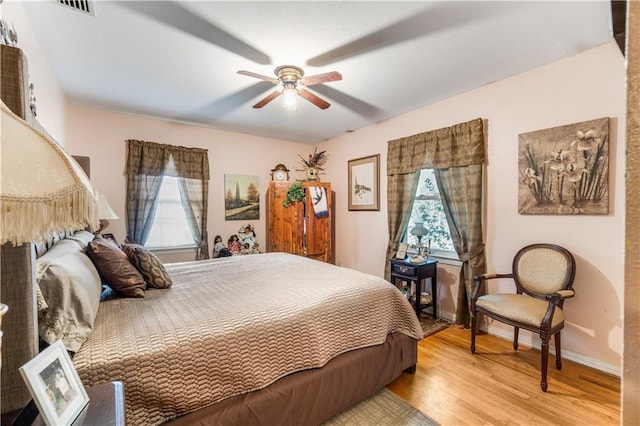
(233,325)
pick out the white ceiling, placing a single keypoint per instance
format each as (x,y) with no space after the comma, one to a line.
(178,60)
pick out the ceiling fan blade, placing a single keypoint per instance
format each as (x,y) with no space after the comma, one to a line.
(260,76)
(219,108)
(316,100)
(356,105)
(177,16)
(443,16)
(321,78)
(271,96)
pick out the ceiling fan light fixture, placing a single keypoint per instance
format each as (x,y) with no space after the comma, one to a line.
(289,73)
(291,81)
(289,95)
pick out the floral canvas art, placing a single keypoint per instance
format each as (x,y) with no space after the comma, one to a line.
(565,169)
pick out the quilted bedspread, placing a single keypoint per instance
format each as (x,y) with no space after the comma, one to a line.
(234,325)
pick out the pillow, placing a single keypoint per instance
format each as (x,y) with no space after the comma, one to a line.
(70,288)
(82,238)
(60,248)
(115,269)
(149,265)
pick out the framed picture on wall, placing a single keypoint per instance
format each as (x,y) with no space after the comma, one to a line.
(564,170)
(364,183)
(55,386)
(241,197)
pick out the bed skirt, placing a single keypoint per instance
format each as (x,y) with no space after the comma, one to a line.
(312,396)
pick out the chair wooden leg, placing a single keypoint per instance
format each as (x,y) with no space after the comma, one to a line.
(515,337)
(473,334)
(545,363)
(558,352)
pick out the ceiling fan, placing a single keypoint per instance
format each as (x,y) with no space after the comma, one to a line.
(291,82)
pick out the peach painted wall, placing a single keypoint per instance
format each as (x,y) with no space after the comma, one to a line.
(101,135)
(587,86)
(50,100)
(584,87)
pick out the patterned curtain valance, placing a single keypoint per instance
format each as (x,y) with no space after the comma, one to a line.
(155,159)
(455,146)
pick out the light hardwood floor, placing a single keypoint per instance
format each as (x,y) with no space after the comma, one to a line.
(500,386)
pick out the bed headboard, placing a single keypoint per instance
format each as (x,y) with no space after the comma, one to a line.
(20,324)
(17,282)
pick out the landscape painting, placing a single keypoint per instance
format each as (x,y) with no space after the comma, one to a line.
(242,197)
(565,170)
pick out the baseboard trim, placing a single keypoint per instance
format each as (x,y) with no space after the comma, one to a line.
(575,357)
(525,340)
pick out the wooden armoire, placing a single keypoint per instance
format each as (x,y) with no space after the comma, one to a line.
(296,228)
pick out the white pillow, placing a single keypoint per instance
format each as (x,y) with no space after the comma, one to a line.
(71,287)
(82,237)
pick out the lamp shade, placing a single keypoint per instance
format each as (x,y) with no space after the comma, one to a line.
(419,230)
(104,209)
(43,190)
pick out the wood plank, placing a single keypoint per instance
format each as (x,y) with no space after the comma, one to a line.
(499,385)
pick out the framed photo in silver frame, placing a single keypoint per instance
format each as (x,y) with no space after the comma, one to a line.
(55,386)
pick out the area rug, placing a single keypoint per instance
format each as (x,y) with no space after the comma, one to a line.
(383,408)
(431,326)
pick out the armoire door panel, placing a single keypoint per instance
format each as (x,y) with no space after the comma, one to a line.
(319,228)
(296,229)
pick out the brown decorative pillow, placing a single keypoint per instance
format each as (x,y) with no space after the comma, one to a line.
(149,266)
(115,269)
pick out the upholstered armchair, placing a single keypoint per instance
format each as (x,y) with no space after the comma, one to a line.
(543,276)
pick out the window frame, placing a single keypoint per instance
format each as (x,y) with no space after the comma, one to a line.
(448,256)
(180,247)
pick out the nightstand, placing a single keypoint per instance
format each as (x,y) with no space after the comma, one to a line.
(417,273)
(105,408)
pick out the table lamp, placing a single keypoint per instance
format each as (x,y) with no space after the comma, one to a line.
(105,213)
(419,231)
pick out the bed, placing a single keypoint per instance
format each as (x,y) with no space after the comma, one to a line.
(265,339)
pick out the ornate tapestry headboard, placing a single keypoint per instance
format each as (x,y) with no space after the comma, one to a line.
(17,282)
(19,325)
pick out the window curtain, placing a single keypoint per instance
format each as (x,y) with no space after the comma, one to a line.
(457,155)
(147,163)
(145,167)
(461,192)
(193,194)
(401,191)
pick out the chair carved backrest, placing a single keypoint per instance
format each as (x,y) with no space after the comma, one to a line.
(540,269)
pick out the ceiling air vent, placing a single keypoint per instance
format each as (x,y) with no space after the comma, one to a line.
(84,6)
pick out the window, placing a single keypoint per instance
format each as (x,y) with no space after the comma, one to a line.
(427,208)
(170,227)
